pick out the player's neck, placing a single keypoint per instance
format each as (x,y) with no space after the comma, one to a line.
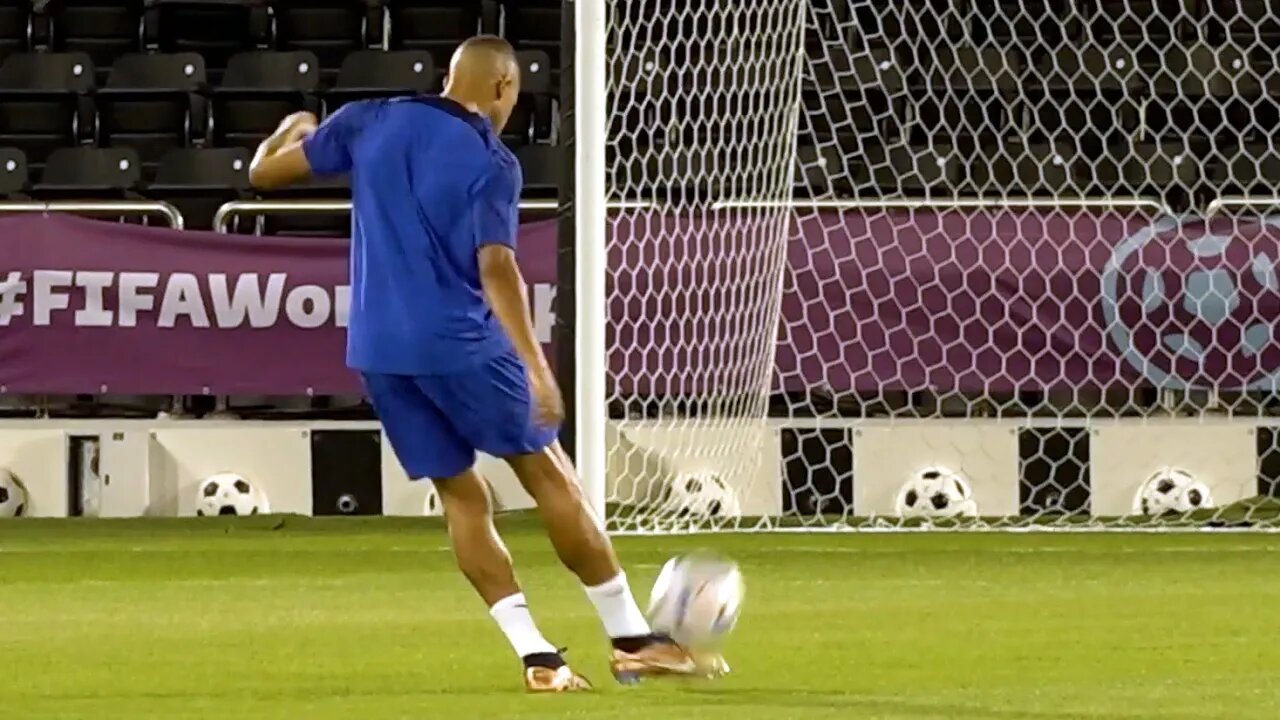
(462,99)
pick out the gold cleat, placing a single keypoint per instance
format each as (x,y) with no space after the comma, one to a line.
(665,657)
(554,680)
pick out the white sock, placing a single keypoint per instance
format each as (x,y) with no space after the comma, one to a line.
(617,608)
(513,617)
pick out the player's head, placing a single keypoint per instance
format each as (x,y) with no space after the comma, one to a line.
(484,74)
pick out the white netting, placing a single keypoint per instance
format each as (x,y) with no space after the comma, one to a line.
(978,258)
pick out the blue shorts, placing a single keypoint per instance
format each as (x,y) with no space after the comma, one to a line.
(436,423)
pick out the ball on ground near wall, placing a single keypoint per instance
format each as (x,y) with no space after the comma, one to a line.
(1172,490)
(936,492)
(229,493)
(13,496)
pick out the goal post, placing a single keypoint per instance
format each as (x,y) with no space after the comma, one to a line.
(932,264)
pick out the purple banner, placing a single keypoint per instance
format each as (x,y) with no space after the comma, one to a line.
(910,300)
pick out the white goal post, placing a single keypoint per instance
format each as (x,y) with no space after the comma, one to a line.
(938,263)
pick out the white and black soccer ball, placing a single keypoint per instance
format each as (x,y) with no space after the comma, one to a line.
(229,494)
(1172,490)
(703,495)
(13,496)
(936,492)
(697,599)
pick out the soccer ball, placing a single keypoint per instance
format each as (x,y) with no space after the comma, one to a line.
(936,492)
(1172,490)
(696,599)
(229,494)
(13,496)
(703,495)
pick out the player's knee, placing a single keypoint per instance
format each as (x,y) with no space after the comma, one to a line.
(464,495)
(542,476)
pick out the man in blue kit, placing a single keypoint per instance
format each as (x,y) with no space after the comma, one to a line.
(441,333)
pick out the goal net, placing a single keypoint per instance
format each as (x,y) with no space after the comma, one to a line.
(966,263)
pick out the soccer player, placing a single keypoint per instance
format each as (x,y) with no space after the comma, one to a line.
(440,331)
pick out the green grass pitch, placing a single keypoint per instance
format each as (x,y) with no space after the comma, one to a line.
(322,619)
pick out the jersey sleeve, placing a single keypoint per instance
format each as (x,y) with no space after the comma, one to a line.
(328,150)
(498,207)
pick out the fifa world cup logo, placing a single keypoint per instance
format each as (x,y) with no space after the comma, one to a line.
(1196,304)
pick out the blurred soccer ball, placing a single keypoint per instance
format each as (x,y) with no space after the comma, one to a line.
(704,496)
(697,599)
(1172,490)
(13,496)
(229,494)
(936,492)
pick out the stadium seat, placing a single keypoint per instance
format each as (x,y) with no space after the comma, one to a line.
(856,90)
(917,169)
(217,29)
(1091,92)
(541,165)
(1138,168)
(438,27)
(199,181)
(1013,167)
(532,119)
(259,89)
(14,176)
(1251,168)
(102,28)
(375,73)
(966,92)
(827,172)
(1135,22)
(1029,23)
(85,172)
(1250,22)
(329,28)
(43,102)
(535,25)
(15,28)
(151,104)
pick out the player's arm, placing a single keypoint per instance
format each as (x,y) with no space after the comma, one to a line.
(505,289)
(299,149)
(280,160)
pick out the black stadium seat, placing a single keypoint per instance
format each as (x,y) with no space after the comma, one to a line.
(199,181)
(375,73)
(535,25)
(102,28)
(440,26)
(258,90)
(151,103)
(328,28)
(13,173)
(541,165)
(15,28)
(85,172)
(42,101)
(217,29)
(532,119)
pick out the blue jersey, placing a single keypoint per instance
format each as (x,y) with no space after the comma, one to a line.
(430,183)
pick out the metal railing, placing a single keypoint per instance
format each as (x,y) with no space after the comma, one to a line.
(228,211)
(146,208)
(1270,202)
(955,203)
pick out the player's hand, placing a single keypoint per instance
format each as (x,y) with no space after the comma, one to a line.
(299,126)
(548,405)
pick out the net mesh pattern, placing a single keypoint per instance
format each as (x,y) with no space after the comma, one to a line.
(849,220)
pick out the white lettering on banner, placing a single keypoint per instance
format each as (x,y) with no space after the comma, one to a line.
(50,293)
(94,283)
(342,305)
(132,300)
(544,316)
(262,307)
(308,306)
(13,290)
(216,300)
(182,297)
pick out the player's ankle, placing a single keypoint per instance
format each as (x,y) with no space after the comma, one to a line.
(635,643)
(551,660)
